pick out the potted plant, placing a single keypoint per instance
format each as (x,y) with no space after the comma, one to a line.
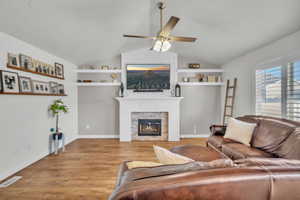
(56,109)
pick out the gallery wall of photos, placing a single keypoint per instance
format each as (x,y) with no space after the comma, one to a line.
(28,64)
(13,83)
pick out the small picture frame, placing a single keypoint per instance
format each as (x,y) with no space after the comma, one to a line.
(26,62)
(25,84)
(40,87)
(13,60)
(59,70)
(35,64)
(51,70)
(61,89)
(53,87)
(10,82)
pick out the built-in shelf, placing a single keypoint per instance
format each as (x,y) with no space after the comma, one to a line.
(91,71)
(99,84)
(33,72)
(200,84)
(200,70)
(32,94)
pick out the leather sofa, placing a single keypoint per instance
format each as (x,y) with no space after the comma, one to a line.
(268,170)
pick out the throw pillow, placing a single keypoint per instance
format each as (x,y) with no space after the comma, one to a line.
(169,158)
(239,131)
(138,164)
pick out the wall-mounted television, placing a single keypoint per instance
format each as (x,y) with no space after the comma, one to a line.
(148,77)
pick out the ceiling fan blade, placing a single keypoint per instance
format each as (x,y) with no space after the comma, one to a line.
(139,36)
(182,39)
(166,30)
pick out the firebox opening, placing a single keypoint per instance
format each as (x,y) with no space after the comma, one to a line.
(149,127)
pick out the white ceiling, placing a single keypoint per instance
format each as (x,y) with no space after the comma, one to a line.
(90,31)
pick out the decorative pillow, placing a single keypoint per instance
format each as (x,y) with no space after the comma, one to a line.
(239,131)
(137,164)
(169,158)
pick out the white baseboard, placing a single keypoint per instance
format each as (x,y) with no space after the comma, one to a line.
(111,136)
(194,136)
(98,136)
(25,164)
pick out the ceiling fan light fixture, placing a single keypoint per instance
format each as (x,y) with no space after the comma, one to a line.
(162,46)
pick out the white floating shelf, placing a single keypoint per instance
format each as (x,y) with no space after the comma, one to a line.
(98,71)
(98,84)
(200,70)
(200,84)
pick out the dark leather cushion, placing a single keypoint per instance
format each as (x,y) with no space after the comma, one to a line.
(270,134)
(241,151)
(217,141)
(197,152)
(290,148)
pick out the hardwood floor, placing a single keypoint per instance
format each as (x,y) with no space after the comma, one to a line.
(85,171)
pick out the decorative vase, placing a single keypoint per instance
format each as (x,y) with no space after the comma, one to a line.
(121,90)
(177,90)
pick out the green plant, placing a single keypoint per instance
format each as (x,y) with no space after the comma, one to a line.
(56,108)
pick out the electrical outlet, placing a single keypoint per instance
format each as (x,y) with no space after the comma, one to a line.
(195,129)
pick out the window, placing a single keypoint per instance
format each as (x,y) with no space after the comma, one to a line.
(278,91)
(268,92)
(293,91)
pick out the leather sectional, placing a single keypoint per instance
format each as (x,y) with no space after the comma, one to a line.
(268,170)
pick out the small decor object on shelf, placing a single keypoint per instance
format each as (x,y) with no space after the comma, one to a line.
(10,82)
(105,67)
(53,87)
(59,70)
(87,81)
(25,84)
(194,66)
(26,62)
(13,60)
(40,87)
(186,79)
(121,90)
(61,89)
(177,90)
(211,79)
(114,77)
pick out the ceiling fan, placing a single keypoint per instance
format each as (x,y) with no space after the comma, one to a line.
(163,38)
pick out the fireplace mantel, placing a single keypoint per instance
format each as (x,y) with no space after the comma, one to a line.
(131,104)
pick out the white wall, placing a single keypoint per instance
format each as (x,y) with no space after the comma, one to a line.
(98,111)
(24,120)
(276,53)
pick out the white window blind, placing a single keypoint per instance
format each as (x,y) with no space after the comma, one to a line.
(268,92)
(293,91)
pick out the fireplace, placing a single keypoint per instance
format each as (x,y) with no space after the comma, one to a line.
(149,127)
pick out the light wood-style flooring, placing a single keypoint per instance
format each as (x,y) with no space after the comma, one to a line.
(87,170)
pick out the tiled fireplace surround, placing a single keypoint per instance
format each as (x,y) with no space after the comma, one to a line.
(135,116)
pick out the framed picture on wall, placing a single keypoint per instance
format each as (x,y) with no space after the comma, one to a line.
(61,89)
(59,70)
(10,82)
(26,62)
(40,87)
(25,84)
(53,87)
(51,70)
(13,60)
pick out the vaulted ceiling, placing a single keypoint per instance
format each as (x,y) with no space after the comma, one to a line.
(90,31)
